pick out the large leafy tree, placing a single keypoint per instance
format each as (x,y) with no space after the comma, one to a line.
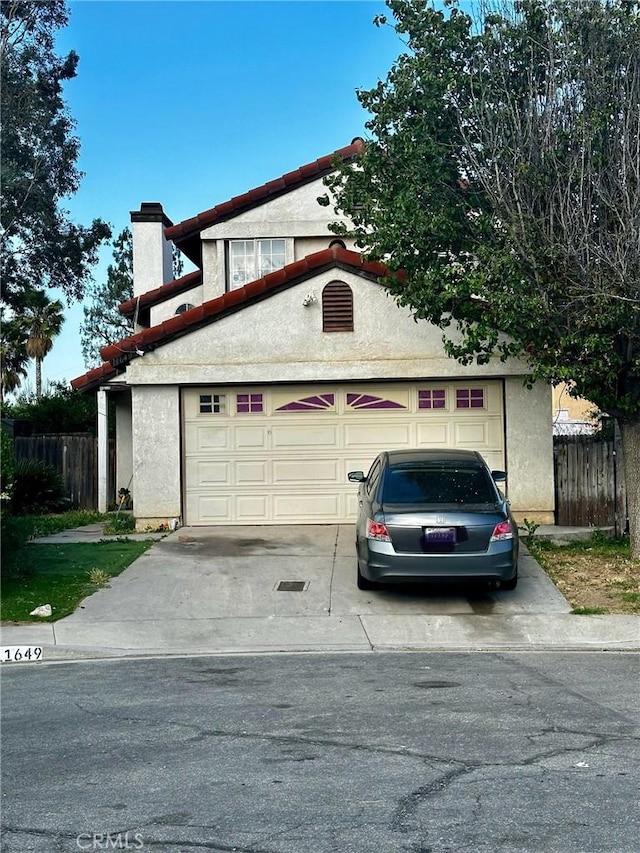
(103,324)
(42,320)
(503,178)
(40,246)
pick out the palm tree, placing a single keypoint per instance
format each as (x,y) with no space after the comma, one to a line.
(13,356)
(43,320)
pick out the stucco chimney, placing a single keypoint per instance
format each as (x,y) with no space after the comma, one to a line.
(152,262)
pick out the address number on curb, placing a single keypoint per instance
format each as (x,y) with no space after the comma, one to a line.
(20,654)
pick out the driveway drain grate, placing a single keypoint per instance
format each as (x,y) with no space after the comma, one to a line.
(291,586)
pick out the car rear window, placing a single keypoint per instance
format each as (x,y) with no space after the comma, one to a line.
(437,485)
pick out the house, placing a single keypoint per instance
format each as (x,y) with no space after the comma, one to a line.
(572,415)
(254,384)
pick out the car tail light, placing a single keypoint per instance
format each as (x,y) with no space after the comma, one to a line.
(502,531)
(377,530)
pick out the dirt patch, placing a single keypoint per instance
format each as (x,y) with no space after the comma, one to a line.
(593,578)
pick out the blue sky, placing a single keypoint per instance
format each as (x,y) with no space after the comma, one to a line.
(191,103)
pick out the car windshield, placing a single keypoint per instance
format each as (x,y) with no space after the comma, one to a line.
(422,484)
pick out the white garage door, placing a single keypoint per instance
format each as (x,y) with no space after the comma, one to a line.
(281,454)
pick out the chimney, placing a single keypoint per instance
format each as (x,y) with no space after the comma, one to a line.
(152,261)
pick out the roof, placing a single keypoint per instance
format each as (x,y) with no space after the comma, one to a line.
(118,355)
(186,234)
(165,291)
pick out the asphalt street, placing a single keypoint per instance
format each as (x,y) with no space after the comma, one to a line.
(376,752)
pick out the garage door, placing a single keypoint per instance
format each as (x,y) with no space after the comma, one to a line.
(281,454)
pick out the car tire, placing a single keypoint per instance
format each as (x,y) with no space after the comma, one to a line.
(511,584)
(364,583)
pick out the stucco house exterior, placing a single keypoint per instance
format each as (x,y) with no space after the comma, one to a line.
(254,384)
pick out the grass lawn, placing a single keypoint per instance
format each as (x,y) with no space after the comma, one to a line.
(597,576)
(61,575)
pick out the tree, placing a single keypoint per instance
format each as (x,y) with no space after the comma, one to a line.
(40,246)
(14,357)
(103,324)
(503,179)
(42,320)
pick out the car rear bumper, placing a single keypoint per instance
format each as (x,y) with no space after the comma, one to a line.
(381,564)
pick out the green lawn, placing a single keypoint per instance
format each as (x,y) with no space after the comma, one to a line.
(59,575)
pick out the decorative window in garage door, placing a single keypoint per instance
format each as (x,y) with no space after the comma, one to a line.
(432,398)
(470,398)
(309,404)
(249,403)
(369,401)
(212,404)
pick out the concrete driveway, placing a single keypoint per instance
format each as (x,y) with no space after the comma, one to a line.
(241,589)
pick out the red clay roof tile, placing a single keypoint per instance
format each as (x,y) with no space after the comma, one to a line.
(165,291)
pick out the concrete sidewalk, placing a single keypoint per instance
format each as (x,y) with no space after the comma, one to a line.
(219,591)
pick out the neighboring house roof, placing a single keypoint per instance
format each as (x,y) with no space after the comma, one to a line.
(186,234)
(119,354)
(155,297)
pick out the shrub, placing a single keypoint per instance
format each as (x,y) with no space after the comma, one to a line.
(7,468)
(38,488)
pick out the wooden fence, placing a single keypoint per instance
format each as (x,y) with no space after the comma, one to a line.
(589,482)
(75,458)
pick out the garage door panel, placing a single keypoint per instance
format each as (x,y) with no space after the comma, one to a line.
(250,438)
(477,435)
(212,438)
(304,471)
(252,471)
(312,507)
(252,508)
(304,435)
(208,473)
(210,510)
(471,435)
(379,436)
(433,434)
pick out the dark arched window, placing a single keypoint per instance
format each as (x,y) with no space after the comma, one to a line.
(186,306)
(337,307)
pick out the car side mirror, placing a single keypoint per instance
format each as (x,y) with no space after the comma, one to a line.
(356,476)
(499,476)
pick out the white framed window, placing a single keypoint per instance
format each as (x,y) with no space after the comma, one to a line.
(212,404)
(252,259)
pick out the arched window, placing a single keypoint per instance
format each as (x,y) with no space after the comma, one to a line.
(337,307)
(186,306)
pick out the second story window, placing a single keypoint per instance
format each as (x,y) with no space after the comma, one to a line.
(251,259)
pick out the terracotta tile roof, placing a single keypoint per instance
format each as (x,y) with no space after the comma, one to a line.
(183,233)
(153,297)
(118,355)
(94,377)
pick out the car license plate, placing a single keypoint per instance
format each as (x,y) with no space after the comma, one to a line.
(440,534)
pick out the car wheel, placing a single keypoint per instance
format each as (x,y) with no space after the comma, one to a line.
(512,584)
(364,583)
